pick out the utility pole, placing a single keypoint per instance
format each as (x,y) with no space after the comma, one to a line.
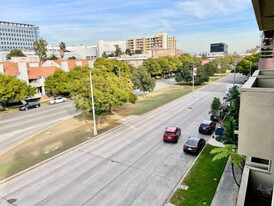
(93,112)
(234,75)
(119,73)
(250,67)
(193,77)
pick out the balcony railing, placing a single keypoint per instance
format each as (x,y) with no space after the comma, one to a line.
(267,51)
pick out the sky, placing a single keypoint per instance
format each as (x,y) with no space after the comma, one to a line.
(194,23)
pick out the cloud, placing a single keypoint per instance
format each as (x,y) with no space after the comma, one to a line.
(208,8)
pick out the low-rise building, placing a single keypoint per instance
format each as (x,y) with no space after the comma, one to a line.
(35,74)
(135,60)
(158,52)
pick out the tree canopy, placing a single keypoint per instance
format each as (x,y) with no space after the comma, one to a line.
(142,80)
(14,89)
(243,66)
(40,48)
(183,73)
(15,53)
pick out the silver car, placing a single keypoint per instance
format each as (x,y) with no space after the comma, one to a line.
(57,100)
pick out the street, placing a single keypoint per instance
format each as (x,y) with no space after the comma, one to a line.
(127,166)
(17,126)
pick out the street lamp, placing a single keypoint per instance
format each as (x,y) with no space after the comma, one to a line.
(250,67)
(92,99)
(193,77)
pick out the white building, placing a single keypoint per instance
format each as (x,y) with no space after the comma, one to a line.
(109,47)
(79,52)
(17,36)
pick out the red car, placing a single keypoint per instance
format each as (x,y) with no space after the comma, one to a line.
(172,134)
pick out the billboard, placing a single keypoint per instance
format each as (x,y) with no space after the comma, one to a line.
(218,47)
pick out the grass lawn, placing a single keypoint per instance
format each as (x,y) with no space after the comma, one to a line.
(202,181)
(74,131)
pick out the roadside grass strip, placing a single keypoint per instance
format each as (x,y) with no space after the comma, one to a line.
(202,181)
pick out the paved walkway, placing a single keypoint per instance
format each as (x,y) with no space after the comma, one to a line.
(227,190)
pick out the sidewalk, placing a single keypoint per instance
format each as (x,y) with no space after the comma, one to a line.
(227,189)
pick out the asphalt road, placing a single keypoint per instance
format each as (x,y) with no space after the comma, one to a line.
(128,166)
(18,126)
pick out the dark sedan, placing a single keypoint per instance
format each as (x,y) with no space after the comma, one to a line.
(29,105)
(207,127)
(194,145)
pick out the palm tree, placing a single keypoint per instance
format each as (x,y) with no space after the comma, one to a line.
(62,47)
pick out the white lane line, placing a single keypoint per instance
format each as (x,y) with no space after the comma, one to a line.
(31,119)
(31,113)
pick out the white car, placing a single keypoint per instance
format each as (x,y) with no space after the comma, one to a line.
(57,100)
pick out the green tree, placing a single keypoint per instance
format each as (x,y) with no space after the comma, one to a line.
(201,77)
(53,57)
(186,57)
(137,52)
(210,68)
(118,51)
(62,47)
(243,66)
(152,66)
(128,51)
(215,106)
(58,82)
(108,90)
(142,80)
(15,53)
(72,57)
(183,73)
(14,89)
(40,48)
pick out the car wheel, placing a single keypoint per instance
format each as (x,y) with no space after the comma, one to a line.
(26,109)
(37,106)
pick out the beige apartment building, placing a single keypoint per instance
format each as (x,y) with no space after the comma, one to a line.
(256,121)
(157,41)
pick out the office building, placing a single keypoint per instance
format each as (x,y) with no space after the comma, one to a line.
(157,41)
(218,50)
(17,36)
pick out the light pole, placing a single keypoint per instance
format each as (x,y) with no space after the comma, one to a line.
(119,73)
(193,77)
(234,75)
(92,99)
(250,67)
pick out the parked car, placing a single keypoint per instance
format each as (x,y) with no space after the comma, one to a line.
(57,100)
(172,134)
(207,127)
(194,145)
(29,105)
(167,77)
(214,117)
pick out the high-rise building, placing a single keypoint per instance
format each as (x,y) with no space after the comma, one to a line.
(157,41)
(17,35)
(218,49)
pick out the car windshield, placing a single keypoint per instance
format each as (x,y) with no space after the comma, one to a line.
(192,143)
(170,133)
(204,125)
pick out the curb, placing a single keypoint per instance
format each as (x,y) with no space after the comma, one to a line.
(170,196)
(95,138)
